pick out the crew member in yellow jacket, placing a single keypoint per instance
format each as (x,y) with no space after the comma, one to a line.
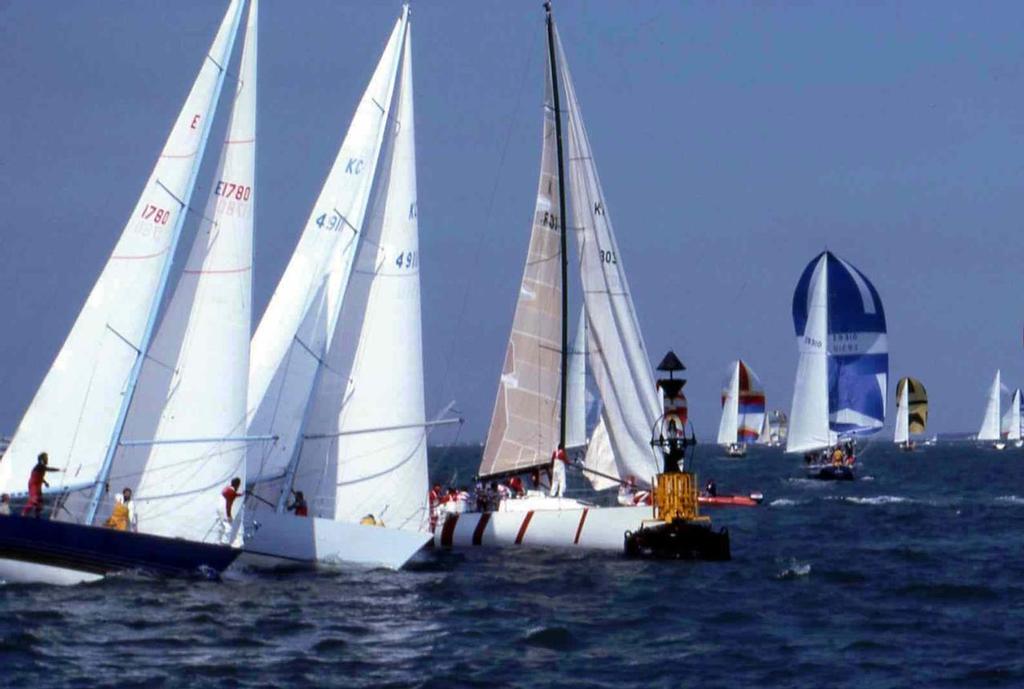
(123,516)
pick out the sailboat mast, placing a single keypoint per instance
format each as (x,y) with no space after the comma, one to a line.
(561,225)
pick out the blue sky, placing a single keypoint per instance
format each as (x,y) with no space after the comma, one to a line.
(735,141)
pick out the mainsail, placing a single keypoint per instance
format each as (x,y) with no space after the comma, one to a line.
(78,413)
(524,426)
(844,361)
(990,422)
(743,418)
(199,403)
(295,332)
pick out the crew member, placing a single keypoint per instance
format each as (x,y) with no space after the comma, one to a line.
(229,494)
(298,505)
(515,484)
(558,462)
(36,481)
(5,505)
(123,517)
(711,489)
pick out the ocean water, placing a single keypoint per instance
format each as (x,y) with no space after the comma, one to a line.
(911,576)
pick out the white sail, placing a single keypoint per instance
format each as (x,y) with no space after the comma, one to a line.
(601,459)
(197,373)
(524,426)
(364,452)
(728,425)
(294,333)
(618,357)
(1011,419)
(79,406)
(902,434)
(990,423)
(808,419)
(576,388)
(765,438)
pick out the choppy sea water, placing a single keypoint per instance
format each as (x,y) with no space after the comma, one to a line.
(911,576)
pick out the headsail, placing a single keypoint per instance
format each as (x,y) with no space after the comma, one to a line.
(618,357)
(902,433)
(78,411)
(524,426)
(204,335)
(990,422)
(1011,419)
(844,360)
(295,332)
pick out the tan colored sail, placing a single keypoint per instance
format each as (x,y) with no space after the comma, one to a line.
(525,423)
(917,403)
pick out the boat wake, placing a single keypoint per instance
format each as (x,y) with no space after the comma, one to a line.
(785,502)
(794,570)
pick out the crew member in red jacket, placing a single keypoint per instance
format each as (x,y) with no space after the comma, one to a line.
(36,481)
(558,462)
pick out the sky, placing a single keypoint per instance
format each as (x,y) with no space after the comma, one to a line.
(735,141)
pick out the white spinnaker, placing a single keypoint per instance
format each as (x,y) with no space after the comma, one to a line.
(314,283)
(808,419)
(1011,419)
(366,430)
(204,336)
(618,357)
(728,425)
(576,388)
(524,426)
(902,434)
(990,423)
(76,408)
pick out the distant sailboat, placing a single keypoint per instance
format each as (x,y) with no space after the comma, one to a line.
(532,414)
(911,411)
(840,388)
(1011,420)
(779,428)
(990,423)
(337,375)
(743,410)
(82,413)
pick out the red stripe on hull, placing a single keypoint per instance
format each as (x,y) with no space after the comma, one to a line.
(522,528)
(478,532)
(448,530)
(579,529)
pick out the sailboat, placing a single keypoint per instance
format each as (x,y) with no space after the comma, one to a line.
(779,428)
(990,431)
(840,389)
(529,425)
(337,367)
(743,408)
(911,412)
(1011,421)
(99,391)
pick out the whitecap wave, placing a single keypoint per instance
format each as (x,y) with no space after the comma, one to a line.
(783,502)
(794,570)
(1010,499)
(875,499)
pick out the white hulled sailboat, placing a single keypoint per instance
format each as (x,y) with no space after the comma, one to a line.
(539,390)
(337,370)
(990,431)
(911,412)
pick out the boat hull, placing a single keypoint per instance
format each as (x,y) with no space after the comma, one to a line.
(730,500)
(54,552)
(594,528)
(831,472)
(286,541)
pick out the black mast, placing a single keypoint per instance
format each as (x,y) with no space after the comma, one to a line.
(561,222)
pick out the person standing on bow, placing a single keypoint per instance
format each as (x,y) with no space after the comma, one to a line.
(558,462)
(230,494)
(36,481)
